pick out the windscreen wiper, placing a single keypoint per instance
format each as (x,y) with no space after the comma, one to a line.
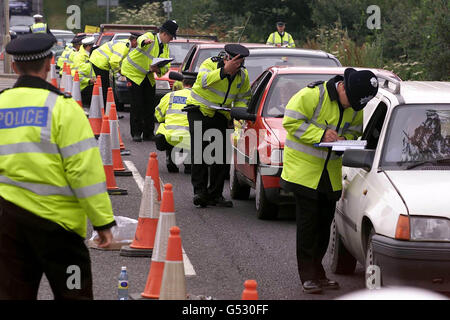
(420,163)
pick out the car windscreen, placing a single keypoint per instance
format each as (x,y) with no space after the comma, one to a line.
(256,64)
(63,39)
(283,87)
(105,39)
(178,51)
(121,37)
(202,56)
(21,21)
(418,137)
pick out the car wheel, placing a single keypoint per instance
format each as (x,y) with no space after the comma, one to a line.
(371,261)
(265,210)
(238,191)
(342,262)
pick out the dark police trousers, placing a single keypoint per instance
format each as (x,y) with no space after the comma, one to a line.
(217,171)
(143,103)
(86,96)
(314,215)
(31,246)
(104,74)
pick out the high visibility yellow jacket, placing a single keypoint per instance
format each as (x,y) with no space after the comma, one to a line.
(64,57)
(110,55)
(39,27)
(174,124)
(136,66)
(308,114)
(85,72)
(50,163)
(81,56)
(285,41)
(213,90)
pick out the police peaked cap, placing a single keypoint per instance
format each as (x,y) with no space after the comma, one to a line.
(31,47)
(234,49)
(78,38)
(280,23)
(170,27)
(360,87)
(136,34)
(189,75)
(88,41)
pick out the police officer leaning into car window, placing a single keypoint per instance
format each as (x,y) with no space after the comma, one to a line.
(322,112)
(51,179)
(221,83)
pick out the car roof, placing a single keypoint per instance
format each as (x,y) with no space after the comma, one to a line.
(215,45)
(331,70)
(425,91)
(289,51)
(58,31)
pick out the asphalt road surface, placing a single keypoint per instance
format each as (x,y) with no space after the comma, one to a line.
(225,246)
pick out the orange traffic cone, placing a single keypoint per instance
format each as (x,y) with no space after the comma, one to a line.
(165,222)
(104,143)
(69,80)
(144,238)
(95,112)
(55,83)
(99,82)
(76,92)
(119,169)
(250,292)
(109,100)
(52,74)
(173,284)
(63,78)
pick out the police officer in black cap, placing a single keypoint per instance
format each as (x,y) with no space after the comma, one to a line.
(51,178)
(222,83)
(323,112)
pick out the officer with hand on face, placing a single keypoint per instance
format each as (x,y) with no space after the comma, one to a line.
(221,84)
(322,112)
(51,180)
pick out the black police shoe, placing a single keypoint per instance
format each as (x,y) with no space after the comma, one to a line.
(137,138)
(149,137)
(221,202)
(200,200)
(312,286)
(172,167)
(329,284)
(187,169)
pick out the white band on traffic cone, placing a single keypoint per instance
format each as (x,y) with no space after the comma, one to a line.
(149,203)
(104,143)
(94,111)
(165,222)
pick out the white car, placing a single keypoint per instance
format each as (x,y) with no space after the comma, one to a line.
(394,212)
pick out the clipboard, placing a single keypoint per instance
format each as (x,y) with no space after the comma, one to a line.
(160,62)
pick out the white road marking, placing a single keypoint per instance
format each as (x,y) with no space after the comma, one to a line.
(188,267)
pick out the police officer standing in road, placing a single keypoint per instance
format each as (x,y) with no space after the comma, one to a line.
(322,112)
(39,26)
(281,38)
(51,179)
(221,83)
(137,67)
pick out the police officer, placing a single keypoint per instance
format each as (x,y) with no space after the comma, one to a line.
(281,38)
(82,55)
(137,68)
(109,56)
(220,84)
(51,179)
(69,52)
(173,130)
(322,112)
(39,26)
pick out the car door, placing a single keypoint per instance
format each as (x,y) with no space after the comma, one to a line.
(356,185)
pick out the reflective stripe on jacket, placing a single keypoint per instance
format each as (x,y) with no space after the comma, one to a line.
(64,57)
(39,27)
(308,114)
(174,124)
(136,65)
(110,55)
(50,163)
(275,38)
(85,72)
(211,91)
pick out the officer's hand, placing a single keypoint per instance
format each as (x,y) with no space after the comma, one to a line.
(105,238)
(330,136)
(148,41)
(232,66)
(92,81)
(154,69)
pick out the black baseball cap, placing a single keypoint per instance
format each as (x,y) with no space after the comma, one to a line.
(360,87)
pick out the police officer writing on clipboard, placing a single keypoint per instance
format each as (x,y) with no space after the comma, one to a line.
(322,112)
(51,179)
(221,82)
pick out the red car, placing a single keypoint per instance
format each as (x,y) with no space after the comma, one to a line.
(257,144)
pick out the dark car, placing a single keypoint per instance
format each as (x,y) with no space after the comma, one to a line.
(20,24)
(19,7)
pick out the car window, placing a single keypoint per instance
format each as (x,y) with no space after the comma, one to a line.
(256,64)
(202,56)
(417,133)
(105,39)
(178,51)
(188,59)
(374,126)
(284,87)
(21,21)
(257,91)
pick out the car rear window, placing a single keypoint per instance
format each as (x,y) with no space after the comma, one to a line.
(178,51)
(284,87)
(202,56)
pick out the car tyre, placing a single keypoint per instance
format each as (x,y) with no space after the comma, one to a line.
(238,191)
(342,262)
(265,210)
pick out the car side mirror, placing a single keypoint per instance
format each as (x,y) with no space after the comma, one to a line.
(242,114)
(175,76)
(358,158)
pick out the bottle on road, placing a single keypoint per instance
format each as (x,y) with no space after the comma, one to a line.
(123,284)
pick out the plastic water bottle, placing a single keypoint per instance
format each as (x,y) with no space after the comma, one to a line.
(123,284)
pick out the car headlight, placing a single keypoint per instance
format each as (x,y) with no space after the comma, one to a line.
(276,156)
(430,229)
(161,84)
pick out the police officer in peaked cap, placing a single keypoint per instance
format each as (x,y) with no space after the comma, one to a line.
(44,208)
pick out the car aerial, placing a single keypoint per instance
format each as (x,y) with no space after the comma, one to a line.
(258,139)
(19,7)
(63,37)
(394,212)
(20,24)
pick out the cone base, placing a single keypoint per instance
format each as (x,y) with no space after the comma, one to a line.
(127,251)
(123,173)
(117,192)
